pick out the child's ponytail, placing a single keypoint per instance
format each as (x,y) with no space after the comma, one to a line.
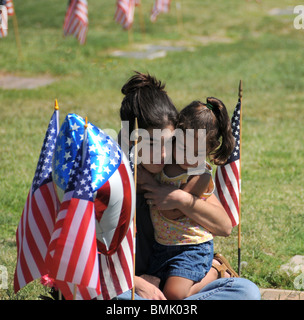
(222,153)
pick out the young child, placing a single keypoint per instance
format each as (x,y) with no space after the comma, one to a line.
(183,251)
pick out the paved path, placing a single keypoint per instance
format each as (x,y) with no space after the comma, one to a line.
(279,294)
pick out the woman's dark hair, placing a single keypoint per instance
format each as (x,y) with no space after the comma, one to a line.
(146,100)
(213,117)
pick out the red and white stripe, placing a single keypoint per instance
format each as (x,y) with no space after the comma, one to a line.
(160,6)
(72,254)
(114,207)
(76,20)
(34,233)
(124,14)
(227,182)
(116,271)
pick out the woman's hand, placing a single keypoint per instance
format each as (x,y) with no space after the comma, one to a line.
(148,290)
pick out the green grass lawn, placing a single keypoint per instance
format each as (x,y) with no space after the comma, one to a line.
(263,50)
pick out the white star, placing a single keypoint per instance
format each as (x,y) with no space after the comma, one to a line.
(93,166)
(64,167)
(92,148)
(82,182)
(79,192)
(75,127)
(113,163)
(106,149)
(67,155)
(99,177)
(107,170)
(69,141)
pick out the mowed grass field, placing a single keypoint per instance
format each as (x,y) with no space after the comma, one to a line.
(224,41)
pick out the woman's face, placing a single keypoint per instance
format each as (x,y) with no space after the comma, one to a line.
(160,146)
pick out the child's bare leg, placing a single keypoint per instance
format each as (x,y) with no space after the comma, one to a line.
(177,288)
(209,277)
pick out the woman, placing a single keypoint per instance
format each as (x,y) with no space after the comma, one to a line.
(146,100)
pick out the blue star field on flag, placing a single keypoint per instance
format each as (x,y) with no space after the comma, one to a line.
(235,127)
(43,172)
(105,154)
(80,176)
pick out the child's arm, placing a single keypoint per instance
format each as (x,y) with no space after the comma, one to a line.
(197,186)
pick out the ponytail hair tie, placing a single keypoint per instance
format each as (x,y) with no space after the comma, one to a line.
(209,106)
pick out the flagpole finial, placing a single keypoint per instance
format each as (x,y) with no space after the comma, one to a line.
(56,105)
(241,89)
(86,122)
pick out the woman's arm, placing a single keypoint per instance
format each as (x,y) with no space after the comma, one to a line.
(208,213)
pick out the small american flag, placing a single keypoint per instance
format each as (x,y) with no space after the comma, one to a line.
(76,20)
(38,217)
(124,14)
(72,253)
(10,7)
(160,6)
(3,23)
(227,176)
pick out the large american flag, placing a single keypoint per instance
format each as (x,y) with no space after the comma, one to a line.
(160,6)
(76,20)
(227,177)
(72,254)
(38,217)
(112,180)
(124,14)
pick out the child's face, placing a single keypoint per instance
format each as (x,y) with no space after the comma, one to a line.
(185,154)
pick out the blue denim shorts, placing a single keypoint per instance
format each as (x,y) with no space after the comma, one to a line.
(186,261)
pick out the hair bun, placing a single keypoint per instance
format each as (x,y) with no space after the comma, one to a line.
(141,80)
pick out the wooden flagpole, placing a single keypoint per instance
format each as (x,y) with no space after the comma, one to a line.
(134,219)
(179,15)
(239,226)
(141,20)
(16,30)
(56,107)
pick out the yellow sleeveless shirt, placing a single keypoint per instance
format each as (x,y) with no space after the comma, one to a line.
(183,230)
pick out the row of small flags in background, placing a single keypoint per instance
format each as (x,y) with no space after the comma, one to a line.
(76,19)
(3,21)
